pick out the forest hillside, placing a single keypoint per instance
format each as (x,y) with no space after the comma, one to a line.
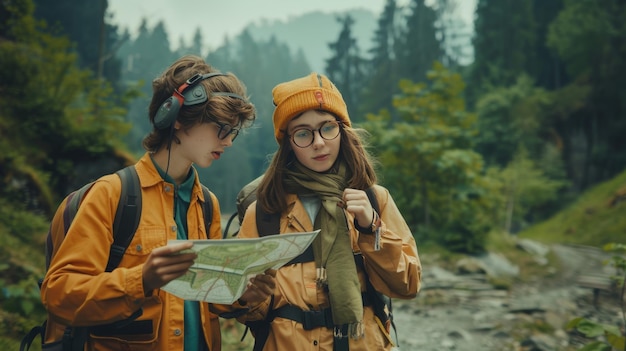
(595,218)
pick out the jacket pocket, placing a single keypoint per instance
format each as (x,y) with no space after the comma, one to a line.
(147,239)
(140,334)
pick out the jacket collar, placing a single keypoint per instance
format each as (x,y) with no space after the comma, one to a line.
(149,176)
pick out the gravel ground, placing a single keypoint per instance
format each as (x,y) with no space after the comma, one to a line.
(526,317)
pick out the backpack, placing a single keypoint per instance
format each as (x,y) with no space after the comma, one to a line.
(245,197)
(269,224)
(125,224)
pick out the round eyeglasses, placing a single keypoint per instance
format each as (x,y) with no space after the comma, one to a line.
(303,137)
(226,130)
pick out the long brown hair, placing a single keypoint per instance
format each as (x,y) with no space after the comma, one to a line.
(271,193)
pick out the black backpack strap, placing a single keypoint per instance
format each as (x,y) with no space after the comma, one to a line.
(207,208)
(267,223)
(39,330)
(228,224)
(371,195)
(127,215)
(261,329)
(377,299)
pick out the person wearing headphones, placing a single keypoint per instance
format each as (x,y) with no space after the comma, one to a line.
(196,113)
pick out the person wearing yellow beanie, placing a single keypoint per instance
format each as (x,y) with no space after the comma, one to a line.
(312,92)
(320,178)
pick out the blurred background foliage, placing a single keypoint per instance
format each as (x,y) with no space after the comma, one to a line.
(527,138)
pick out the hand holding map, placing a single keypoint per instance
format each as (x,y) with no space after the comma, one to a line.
(223,267)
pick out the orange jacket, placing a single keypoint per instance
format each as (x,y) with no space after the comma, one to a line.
(395,271)
(77,291)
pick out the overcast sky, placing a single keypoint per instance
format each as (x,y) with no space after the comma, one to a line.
(217,19)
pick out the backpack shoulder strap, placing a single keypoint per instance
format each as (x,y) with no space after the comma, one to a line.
(371,195)
(267,223)
(127,215)
(228,223)
(27,340)
(207,208)
(380,300)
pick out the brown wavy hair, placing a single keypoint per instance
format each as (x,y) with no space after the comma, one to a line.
(222,109)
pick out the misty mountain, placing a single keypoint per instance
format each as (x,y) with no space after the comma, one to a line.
(313,31)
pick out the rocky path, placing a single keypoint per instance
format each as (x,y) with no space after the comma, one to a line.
(465,312)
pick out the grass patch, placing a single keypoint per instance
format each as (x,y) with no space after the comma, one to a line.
(596,218)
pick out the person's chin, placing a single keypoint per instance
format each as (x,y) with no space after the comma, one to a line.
(205,163)
(321,168)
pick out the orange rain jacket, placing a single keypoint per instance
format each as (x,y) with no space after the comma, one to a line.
(77,291)
(395,271)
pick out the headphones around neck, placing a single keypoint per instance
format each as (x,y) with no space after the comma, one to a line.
(189,93)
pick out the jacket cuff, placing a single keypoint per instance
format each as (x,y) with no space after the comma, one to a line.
(134,282)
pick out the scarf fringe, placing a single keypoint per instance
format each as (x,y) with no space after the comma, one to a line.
(321,277)
(355,331)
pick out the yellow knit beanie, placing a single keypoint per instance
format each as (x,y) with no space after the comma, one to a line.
(312,92)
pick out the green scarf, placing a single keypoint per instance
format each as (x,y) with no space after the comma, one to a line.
(332,248)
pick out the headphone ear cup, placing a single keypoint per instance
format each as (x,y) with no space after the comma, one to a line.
(167,113)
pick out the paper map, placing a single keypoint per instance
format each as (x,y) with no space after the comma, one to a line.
(223,267)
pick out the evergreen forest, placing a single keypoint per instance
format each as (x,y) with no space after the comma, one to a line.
(466,149)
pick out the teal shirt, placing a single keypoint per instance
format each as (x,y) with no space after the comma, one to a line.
(194,340)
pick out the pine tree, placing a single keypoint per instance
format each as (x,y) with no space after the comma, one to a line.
(504,43)
(85,24)
(590,37)
(381,77)
(345,66)
(419,47)
(453,34)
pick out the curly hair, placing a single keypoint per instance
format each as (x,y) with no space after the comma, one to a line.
(219,108)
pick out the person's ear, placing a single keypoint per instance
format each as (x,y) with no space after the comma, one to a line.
(177,125)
